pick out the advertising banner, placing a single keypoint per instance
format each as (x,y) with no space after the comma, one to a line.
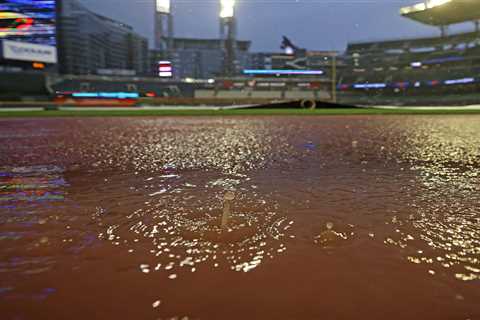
(16,50)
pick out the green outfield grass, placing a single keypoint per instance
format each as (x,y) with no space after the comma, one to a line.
(242,112)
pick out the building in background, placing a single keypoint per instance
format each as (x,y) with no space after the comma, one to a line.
(95,44)
(260,60)
(293,61)
(198,58)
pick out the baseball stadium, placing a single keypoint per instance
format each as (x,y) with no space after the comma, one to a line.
(154,169)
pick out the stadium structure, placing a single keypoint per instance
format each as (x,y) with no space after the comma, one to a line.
(386,72)
(163,21)
(416,67)
(443,13)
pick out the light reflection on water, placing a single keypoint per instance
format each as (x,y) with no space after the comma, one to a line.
(225,145)
(31,184)
(181,227)
(28,196)
(445,212)
(309,194)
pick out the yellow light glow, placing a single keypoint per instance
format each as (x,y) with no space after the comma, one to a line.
(11,15)
(163,6)
(436,3)
(227,8)
(424,6)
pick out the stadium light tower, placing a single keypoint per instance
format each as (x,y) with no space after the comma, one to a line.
(228,35)
(163,25)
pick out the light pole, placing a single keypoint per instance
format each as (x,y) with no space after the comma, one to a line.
(163,25)
(228,36)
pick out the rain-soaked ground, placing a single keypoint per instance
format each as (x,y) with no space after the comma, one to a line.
(330,218)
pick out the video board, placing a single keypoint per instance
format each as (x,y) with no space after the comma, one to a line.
(30,21)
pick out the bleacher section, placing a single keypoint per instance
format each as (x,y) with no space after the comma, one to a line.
(413,64)
(143,86)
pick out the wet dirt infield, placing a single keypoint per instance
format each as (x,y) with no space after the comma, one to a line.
(356,217)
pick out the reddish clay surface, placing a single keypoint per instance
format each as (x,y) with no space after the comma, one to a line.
(333,218)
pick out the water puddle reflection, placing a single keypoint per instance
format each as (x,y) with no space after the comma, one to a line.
(140,218)
(186,228)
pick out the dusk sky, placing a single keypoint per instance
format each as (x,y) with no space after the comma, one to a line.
(312,24)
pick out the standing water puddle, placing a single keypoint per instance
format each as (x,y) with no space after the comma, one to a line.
(236,218)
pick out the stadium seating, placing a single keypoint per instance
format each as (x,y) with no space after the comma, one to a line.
(427,64)
(99,84)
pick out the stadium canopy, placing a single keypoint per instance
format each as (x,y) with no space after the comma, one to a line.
(443,12)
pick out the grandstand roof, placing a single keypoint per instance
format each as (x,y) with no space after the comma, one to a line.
(443,12)
(409,43)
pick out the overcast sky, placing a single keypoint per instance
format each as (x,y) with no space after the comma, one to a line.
(313,24)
